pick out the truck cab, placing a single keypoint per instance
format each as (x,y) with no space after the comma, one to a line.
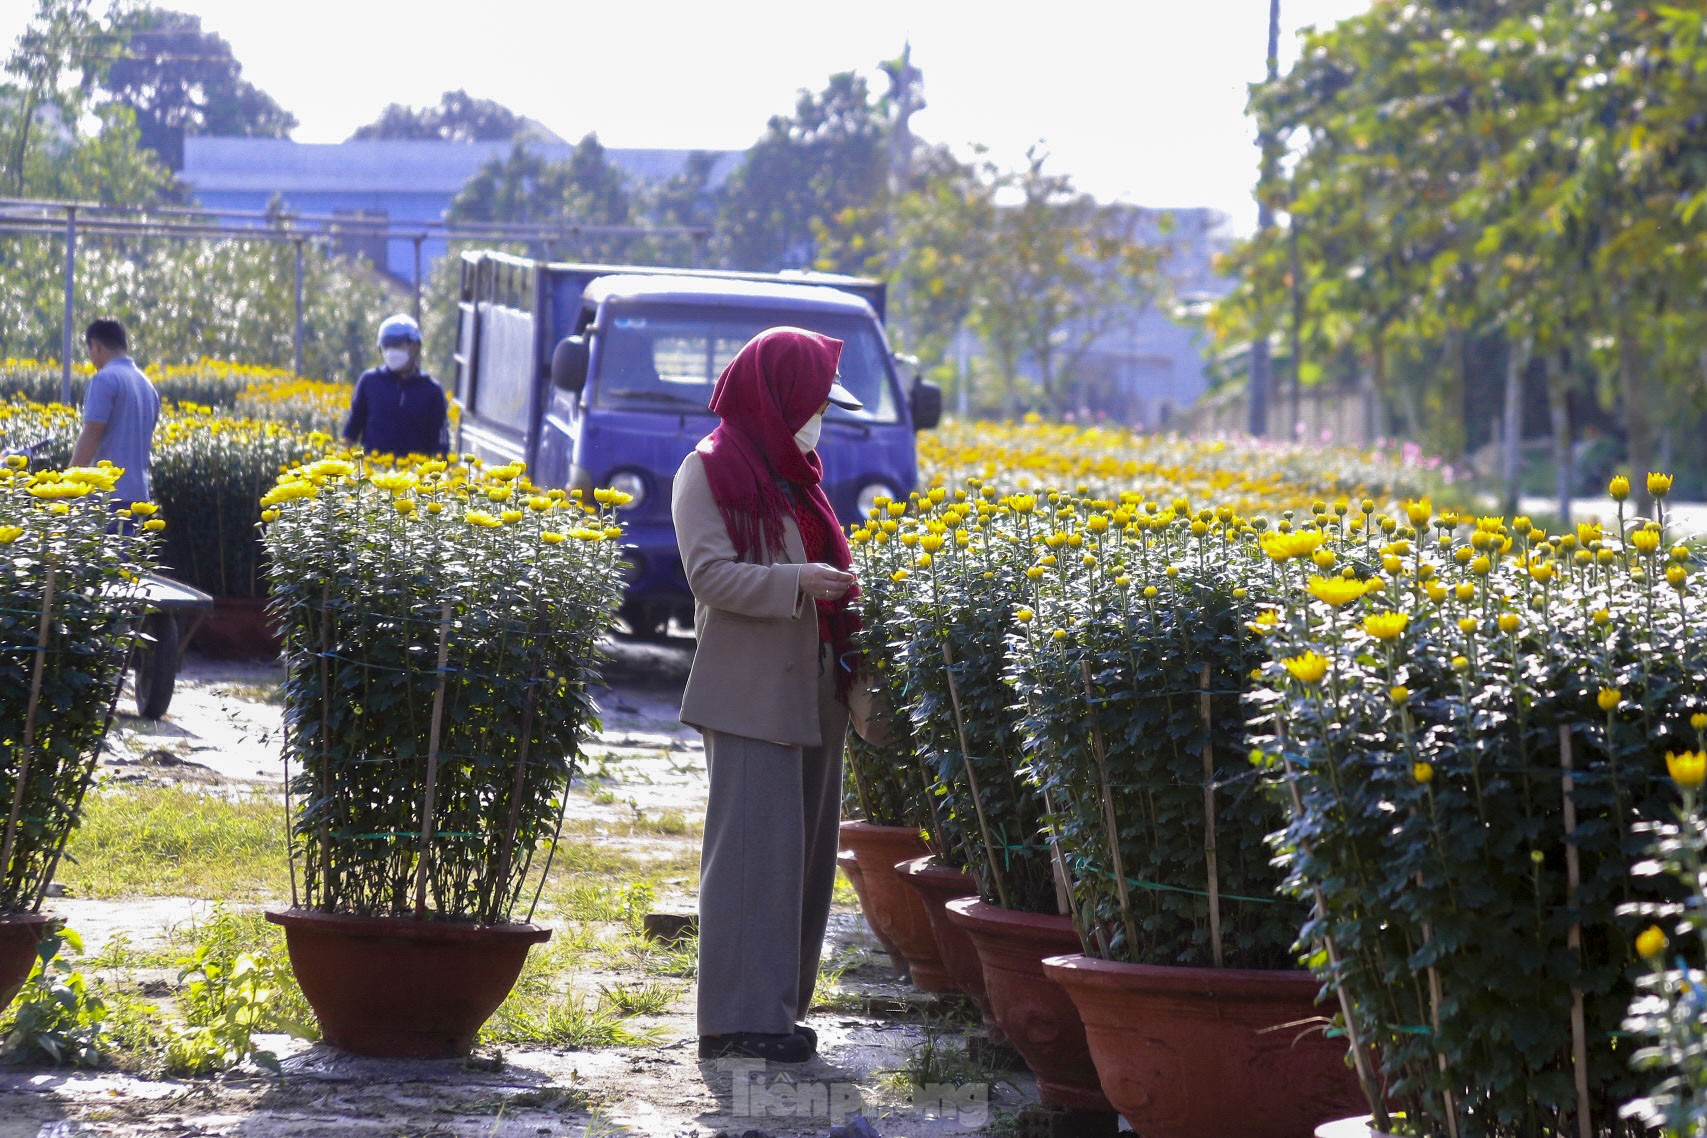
(600,376)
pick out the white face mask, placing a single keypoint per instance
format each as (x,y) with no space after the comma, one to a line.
(397,358)
(807,436)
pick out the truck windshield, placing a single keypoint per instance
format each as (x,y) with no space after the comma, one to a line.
(671,355)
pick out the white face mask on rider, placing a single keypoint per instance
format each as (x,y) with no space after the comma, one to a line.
(397,358)
(807,436)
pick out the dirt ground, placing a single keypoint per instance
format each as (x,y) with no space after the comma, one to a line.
(222,732)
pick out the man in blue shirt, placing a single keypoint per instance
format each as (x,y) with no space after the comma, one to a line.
(120,409)
(399,409)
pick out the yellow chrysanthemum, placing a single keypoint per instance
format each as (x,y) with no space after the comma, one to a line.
(1423,772)
(1619,488)
(1659,485)
(1651,943)
(9,534)
(1609,698)
(1336,591)
(1385,625)
(1308,668)
(1687,768)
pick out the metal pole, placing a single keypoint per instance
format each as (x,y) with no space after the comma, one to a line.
(70,302)
(419,237)
(298,369)
(1261,379)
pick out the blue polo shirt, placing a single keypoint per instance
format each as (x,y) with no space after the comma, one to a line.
(398,414)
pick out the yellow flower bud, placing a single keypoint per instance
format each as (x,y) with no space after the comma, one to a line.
(1687,768)
(1618,488)
(1699,721)
(1659,485)
(1423,772)
(1651,943)
(1508,622)
(1399,694)
(1609,698)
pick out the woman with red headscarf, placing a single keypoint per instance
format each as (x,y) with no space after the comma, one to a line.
(773,589)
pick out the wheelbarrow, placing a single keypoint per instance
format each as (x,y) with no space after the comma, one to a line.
(175,611)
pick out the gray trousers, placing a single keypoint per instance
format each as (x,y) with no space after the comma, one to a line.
(766,872)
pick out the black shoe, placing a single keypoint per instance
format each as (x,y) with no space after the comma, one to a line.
(790,1048)
(811,1036)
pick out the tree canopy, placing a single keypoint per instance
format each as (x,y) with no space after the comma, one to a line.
(459,117)
(180,79)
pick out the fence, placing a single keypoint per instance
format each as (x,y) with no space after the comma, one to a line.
(1348,414)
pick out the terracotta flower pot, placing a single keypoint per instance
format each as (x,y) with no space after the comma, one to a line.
(849,864)
(402,988)
(237,628)
(20,934)
(937,885)
(1034,1012)
(1184,1052)
(896,909)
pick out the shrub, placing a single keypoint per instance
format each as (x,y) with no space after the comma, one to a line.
(68,593)
(1464,717)
(1132,657)
(208,474)
(440,626)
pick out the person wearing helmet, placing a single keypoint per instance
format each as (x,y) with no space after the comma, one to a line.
(398,408)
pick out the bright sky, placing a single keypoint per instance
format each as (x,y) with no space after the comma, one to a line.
(1137,100)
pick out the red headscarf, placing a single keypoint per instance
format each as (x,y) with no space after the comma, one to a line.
(775,383)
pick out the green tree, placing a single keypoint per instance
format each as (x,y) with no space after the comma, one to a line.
(179,79)
(1527,171)
(807,169)
(526,188)
(459,117)
(1061,272)
(60,56)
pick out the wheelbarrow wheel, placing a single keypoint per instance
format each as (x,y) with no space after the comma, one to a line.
(156,665)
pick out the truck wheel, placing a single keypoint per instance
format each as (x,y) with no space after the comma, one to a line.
(156,665)
(645,621)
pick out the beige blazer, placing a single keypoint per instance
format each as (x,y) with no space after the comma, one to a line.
(755,669)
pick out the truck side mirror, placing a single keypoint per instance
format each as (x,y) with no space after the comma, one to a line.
(569,364)
(927,405)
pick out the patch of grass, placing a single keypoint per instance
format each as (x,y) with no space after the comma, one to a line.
(272,692)
(844,892)
(939,1058)
(147,841)
(643,999)
(544,1011)
(828,993)
(678,960)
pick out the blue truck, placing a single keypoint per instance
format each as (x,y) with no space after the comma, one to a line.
(599,375)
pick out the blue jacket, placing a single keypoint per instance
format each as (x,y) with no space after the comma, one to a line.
(398,414)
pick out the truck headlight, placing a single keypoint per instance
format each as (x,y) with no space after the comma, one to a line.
(870,492)
(631,483)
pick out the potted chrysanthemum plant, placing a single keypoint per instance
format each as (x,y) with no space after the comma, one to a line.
(70,594)
(440,622)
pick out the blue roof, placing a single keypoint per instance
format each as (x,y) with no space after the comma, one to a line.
(280,166)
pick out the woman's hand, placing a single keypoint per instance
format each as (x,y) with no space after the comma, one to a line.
(820,582)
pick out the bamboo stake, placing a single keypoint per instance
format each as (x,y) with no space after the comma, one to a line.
(1574,938)
(42,628)
(1360,1060)
(325,748)
(88,772)
(1100,749)
(972,779)
(432,766)
(514,822)
(1209,855)
(1065,899)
